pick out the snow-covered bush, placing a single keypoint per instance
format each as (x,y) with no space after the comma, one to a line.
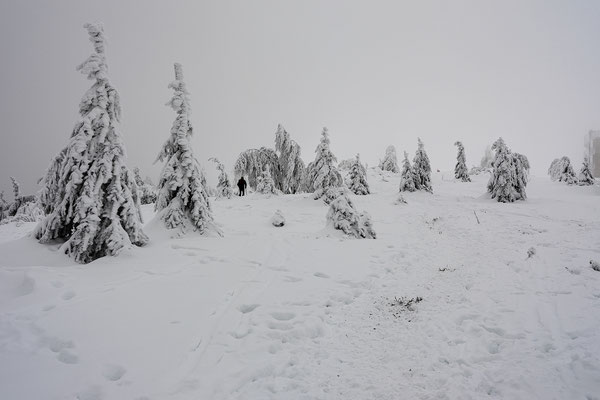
(460,170)
(422,169)
(89,196)
(400,200)
(278,219)
(358,178)
(407,180)
(182,198)
(561,170)
(390,160)
(224,188)
(343,215)
(147,191)
(27,212)
(290,167)
(322,173)
(509,177)
(266,184)
(585,175)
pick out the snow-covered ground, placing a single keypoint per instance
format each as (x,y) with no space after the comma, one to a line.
(300,312)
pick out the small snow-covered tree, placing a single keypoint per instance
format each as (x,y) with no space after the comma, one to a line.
(561,170)
(266,184)
(16,187)
(252,162)
(224,188)
(585,175)
(358,178)
(390,160)
(290,167)
(323,173)
(343,215)
(407,181)
(3,205)
(346,164)
(509,179)
(89,195)
(182,197)
(460,170)
(422,169)
(147,191)
(488,157)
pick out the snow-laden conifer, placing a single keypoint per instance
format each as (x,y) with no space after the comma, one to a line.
(16,187)
(343,215)
(509,179)
(182,199)
(358,178)
(252,162)
(89,195)
(147,191)
(266,184)
(290,167)
(585,175)
(390,160)
(562,171)
(346,164)
(3,205)
(407,181)
(323,173)
(422,169)
(224,188)
(460,170)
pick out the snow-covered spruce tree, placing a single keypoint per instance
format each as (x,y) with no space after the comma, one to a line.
(460,170)
(508,180)
(488,157)
(182,199)
(346,164)
(358,178)
(323,173)
(407,180)
(422,169)
(89,195)
(290,167)
(252,162)
(343,215)
(390,160)
(266,184)
(585,175)
(224,188)
(566,173)
(16,187)
(146,190)
(3,205)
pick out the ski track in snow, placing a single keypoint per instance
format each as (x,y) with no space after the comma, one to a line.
(300,312)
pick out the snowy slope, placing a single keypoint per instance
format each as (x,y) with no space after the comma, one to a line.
(300,312)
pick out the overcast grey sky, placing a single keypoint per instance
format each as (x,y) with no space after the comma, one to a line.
(374,72)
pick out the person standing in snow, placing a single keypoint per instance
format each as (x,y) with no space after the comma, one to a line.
(242,186)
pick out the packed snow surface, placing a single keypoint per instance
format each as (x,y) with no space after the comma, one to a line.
(439,306)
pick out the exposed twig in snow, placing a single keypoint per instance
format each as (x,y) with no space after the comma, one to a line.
(476,217)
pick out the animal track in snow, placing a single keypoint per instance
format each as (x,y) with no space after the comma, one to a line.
(283,316)
(246,308)
(321,275)
(68,295)
(66,357)
(113,372)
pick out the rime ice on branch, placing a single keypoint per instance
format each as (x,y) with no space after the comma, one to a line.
(182,199)
(89,195)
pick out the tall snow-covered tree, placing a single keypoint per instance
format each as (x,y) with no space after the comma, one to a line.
(460,170)
(585,175)
(358,178)
(266,184)
(422,169)
(508,180)
(323,173)
(182,198)
(252,162)
(290,167)
(407,180)
(89,195)
(390,160)
(224,188)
